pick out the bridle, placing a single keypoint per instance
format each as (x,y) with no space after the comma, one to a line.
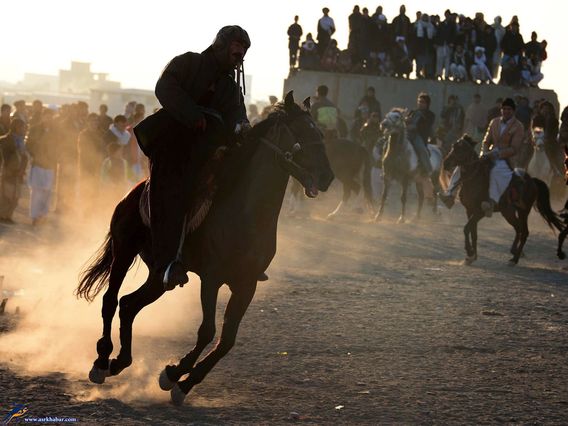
(287,156)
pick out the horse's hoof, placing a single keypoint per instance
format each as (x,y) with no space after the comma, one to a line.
(330,216)
(513,262)
(115,368)
(561,255)
(98,375)
(177,396)
(469,260)
(401,220)
(164,381)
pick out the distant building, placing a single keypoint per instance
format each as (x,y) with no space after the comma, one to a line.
(78,83)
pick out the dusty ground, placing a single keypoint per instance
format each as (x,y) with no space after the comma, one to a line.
(360,324)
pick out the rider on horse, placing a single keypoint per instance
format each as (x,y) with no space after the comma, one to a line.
(420,124)
(502,142)
(178,140)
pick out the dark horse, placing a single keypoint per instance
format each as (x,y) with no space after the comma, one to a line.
(562,236)
(400,163)
(515,204)
(235,243)
(351,165)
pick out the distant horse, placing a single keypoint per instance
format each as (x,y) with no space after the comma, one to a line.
(235,243)
(515,204)
(351,165)
(539,165)
(400,163)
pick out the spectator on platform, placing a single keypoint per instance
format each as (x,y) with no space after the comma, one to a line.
(401,25)
(402,66)
(330,57)
(444,40)
(458,64)
(294,35)
(512,44)
(13,159)
(326,28)
(424,47)
(486,39)
(479,70)
(309,58)
(356,30)
(5,111)
(380,45)
(530,71)
(534,47)
(499,32)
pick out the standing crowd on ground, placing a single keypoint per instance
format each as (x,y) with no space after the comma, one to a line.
(67,152)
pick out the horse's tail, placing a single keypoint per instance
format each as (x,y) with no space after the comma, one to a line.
(97,273)
(367,177)
(543,206)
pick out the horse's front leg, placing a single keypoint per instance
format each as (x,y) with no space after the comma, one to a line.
(386,185)
(403,197)
(172,373)
(561,237)
(242,294)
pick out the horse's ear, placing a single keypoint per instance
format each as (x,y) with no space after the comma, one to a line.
(307,104)
(289,99)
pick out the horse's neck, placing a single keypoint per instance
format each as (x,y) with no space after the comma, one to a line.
(262,188)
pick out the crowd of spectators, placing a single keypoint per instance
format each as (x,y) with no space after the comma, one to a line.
(453,47)
(85,159)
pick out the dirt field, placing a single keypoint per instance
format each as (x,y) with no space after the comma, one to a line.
(360,323)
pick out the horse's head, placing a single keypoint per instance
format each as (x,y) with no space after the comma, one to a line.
(300,143)
(393,122)
(538,137)
(462,152)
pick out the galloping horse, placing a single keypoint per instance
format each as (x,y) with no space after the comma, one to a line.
(235,243)
(515,204)
(400,163)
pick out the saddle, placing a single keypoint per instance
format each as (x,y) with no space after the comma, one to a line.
(202,198)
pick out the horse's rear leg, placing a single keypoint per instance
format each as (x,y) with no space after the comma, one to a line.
(242,294)
(172,373)
(519,223)
(344,199)
(119,268)
(130,305)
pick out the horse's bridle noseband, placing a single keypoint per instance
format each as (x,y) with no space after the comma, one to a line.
(288,155)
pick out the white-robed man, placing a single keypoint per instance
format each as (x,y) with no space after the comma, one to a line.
(501,143)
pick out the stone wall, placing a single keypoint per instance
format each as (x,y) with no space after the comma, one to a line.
(346,90)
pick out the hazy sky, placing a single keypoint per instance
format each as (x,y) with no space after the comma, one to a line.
(133,40)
